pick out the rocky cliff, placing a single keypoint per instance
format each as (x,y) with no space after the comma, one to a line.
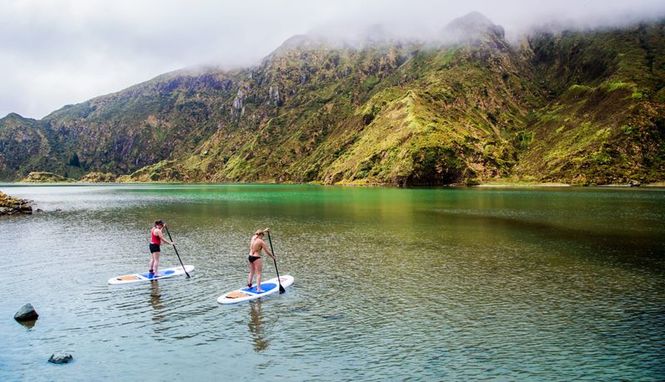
(10,205)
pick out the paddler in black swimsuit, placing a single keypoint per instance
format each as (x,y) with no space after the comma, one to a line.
(255,263)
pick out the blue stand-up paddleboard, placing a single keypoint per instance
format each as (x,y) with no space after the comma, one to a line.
(162,274)
(245,294)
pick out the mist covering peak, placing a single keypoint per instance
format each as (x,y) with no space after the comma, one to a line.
(472,27)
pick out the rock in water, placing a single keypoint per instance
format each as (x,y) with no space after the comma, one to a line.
(10,205)
(26,313)
(59,358)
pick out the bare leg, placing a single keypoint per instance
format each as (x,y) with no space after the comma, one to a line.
(251,275)
(258,265)
(155,262)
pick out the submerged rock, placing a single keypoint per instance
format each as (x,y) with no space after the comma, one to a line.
(59,358)
(333,316)
(28,324)
(26,313)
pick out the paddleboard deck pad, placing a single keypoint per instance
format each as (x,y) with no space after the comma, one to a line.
(162,274)
(245,294)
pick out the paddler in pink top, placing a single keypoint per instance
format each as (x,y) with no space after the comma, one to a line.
(156,238)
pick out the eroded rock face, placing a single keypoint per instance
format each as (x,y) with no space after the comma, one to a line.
(274,95)
(10,205)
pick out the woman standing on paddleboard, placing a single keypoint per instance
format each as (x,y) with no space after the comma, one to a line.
(255,263)
(156,238)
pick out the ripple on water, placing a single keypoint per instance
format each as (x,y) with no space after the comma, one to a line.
(390,285)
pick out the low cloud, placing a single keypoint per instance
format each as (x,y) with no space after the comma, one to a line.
(60,52)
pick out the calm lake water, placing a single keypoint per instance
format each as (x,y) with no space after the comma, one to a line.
(391,284)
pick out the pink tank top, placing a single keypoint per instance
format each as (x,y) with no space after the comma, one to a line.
(154,239)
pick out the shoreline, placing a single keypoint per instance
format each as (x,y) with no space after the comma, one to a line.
(524,185)
(488,185)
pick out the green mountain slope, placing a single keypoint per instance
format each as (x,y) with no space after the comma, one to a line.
(605,122)
(26,144)
(581,107)
(162,118)
(394,113)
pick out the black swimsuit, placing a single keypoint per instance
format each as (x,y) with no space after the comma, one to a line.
(253,258)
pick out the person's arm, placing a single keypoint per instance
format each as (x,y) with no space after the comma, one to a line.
(265,248)
(161,236)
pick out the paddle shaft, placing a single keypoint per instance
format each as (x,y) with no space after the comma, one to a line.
(176,251)
(281,288)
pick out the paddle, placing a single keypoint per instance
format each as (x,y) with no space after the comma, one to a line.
(176,251)
(281,288)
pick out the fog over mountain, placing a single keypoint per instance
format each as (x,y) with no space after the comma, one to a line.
(66,51)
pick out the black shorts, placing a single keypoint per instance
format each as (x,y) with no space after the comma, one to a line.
(154,248)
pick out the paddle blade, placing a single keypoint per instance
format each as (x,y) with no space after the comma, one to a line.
(281,289)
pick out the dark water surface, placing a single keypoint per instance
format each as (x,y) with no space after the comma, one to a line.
(391,284)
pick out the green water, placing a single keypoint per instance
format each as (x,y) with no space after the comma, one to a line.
(391,284)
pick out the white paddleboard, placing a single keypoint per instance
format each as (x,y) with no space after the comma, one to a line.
(245,294)
(162,274)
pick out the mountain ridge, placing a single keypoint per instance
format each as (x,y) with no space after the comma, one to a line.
(461,111)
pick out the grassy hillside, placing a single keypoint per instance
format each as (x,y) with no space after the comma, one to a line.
(391,113)
(605,121)
(162,118)
(27,144)
(581,107)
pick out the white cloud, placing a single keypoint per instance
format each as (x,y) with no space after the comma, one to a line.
(57,52)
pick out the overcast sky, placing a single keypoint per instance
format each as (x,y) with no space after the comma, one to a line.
(58,52)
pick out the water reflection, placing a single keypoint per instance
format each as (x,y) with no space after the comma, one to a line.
(255,326)
(156,301)
(28,324)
